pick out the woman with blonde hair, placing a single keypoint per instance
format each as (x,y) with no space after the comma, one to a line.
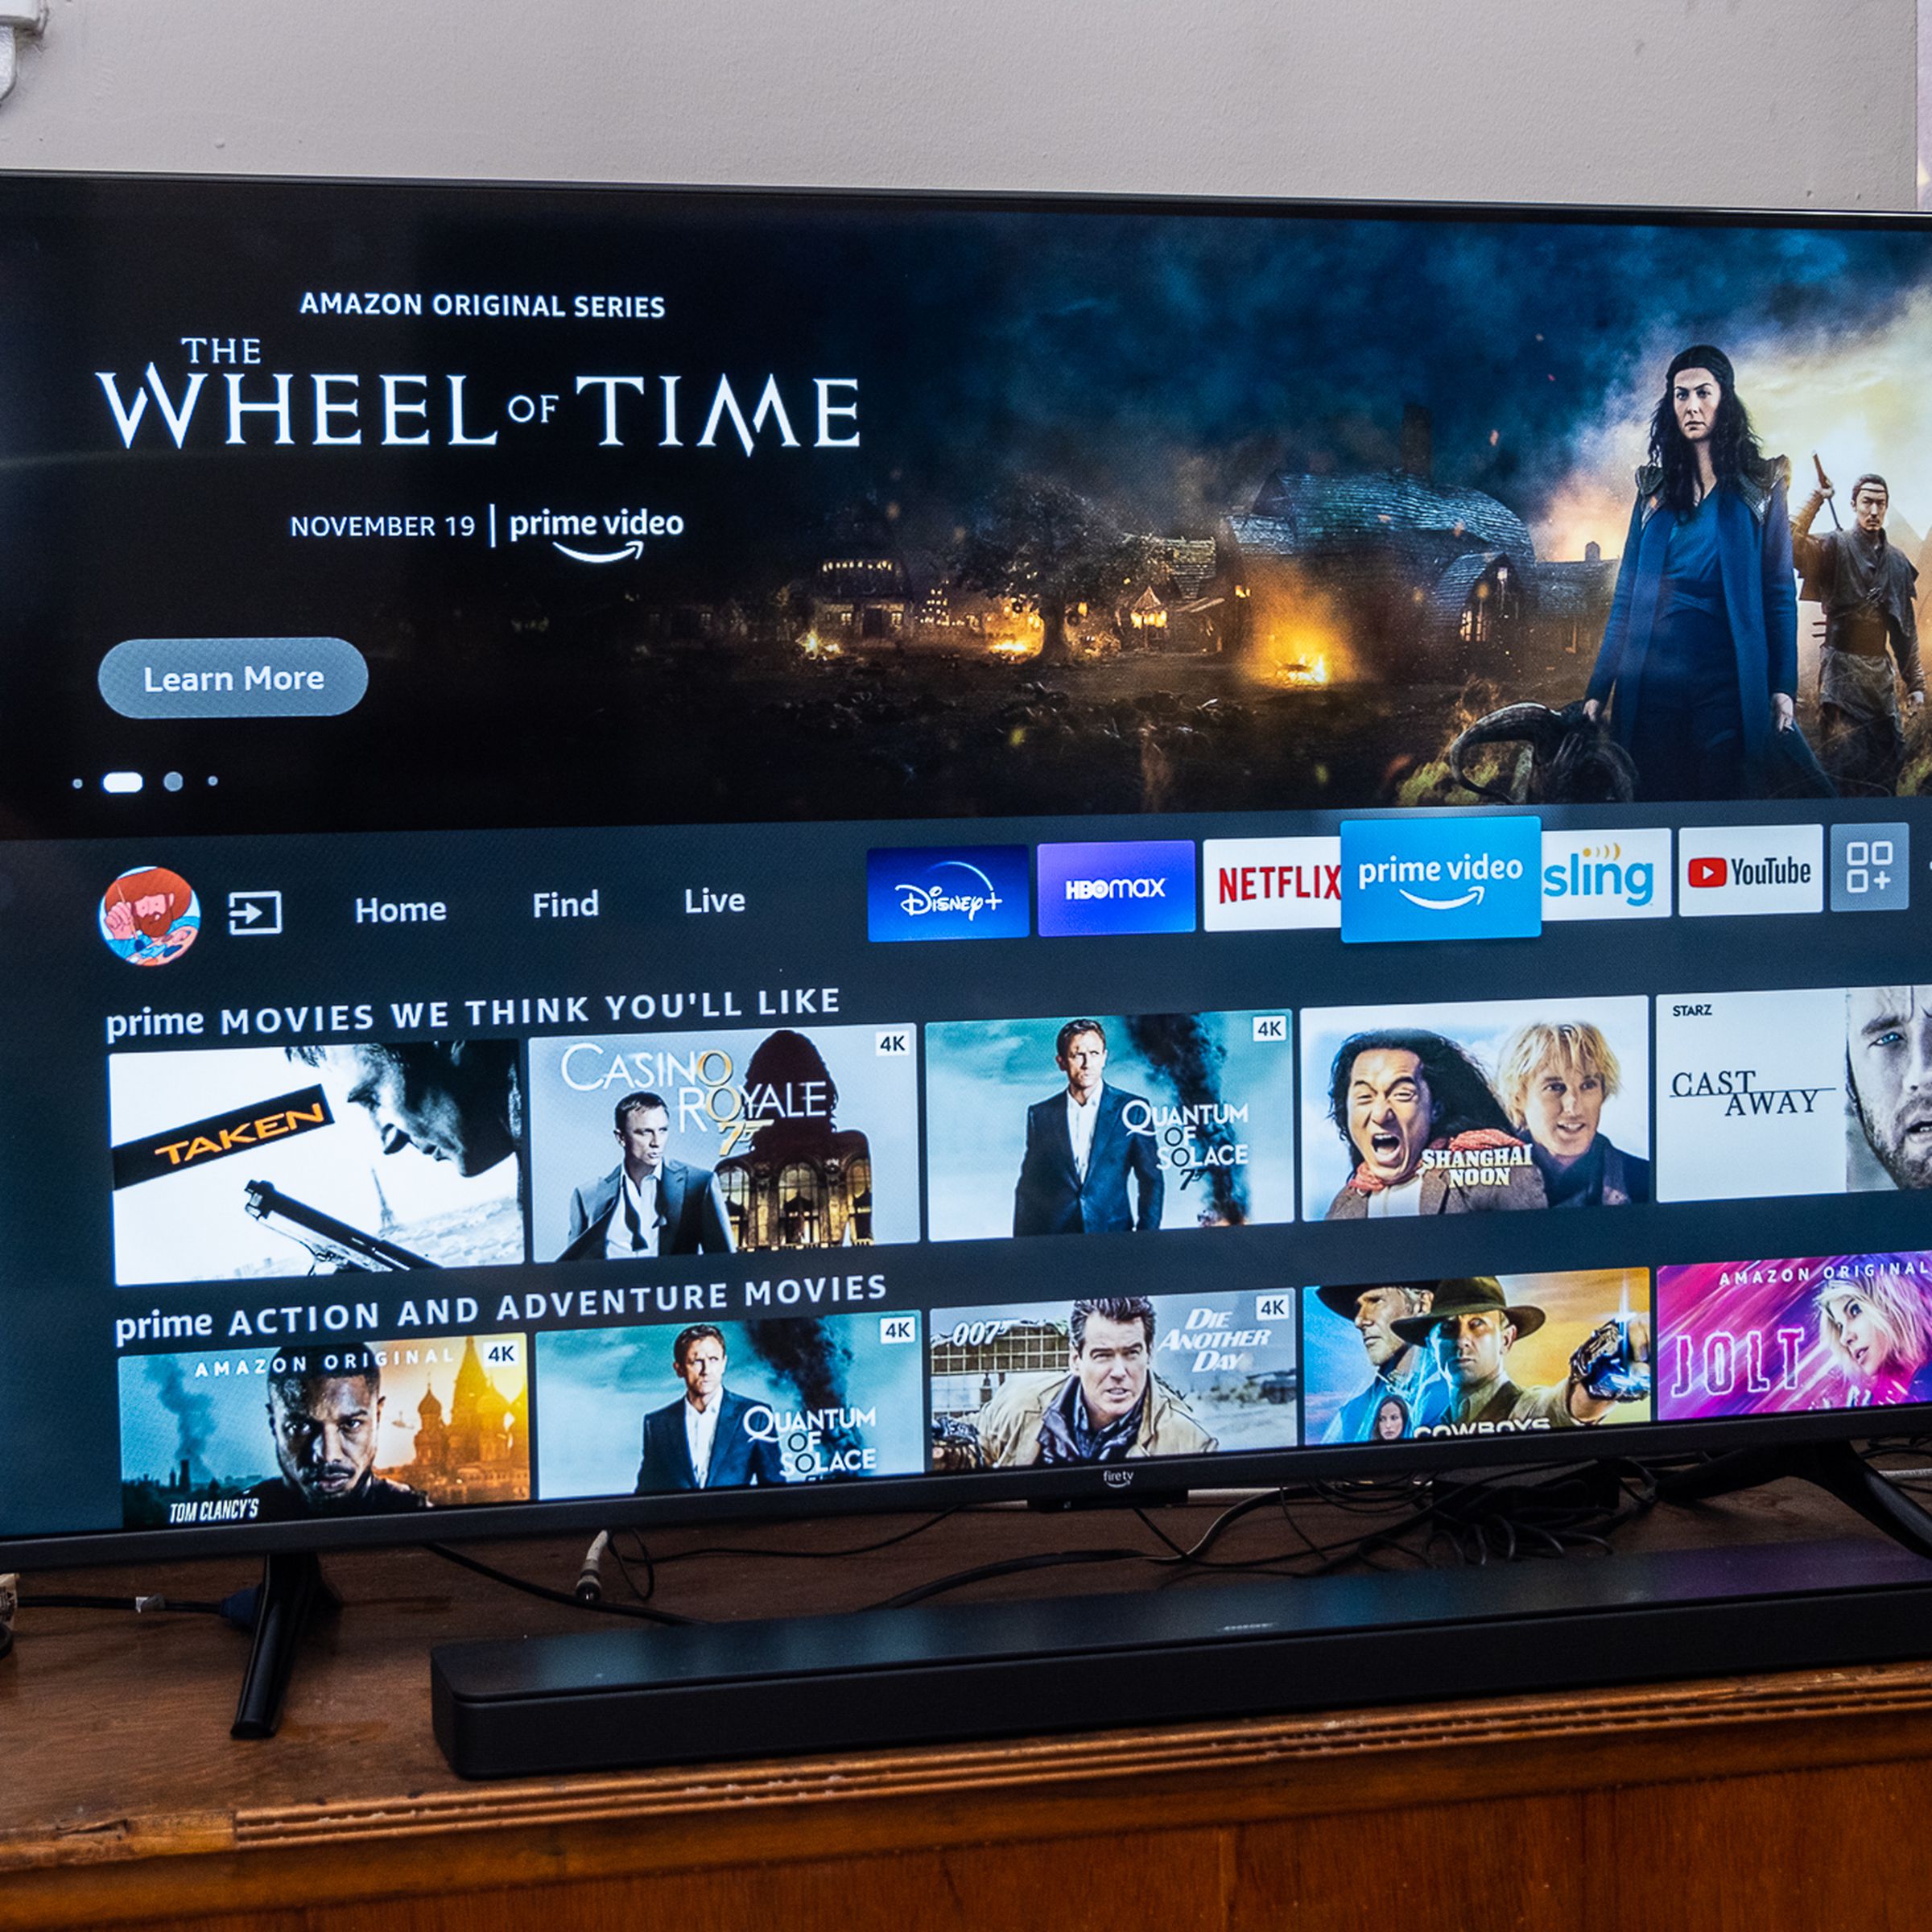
(1553,1080)
(1877,1329)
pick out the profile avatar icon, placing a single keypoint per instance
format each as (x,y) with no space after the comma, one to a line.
(150,915)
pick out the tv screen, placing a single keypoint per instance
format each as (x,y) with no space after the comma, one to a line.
(677,855)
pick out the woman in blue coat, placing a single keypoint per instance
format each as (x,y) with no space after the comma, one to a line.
(1700,657)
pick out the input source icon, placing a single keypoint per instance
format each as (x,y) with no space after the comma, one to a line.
(254,915)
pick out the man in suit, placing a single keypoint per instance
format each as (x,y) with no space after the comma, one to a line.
(704,1440)
(1080,1150)
(647,1204)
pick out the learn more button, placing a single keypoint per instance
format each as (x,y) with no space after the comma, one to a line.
(234,677)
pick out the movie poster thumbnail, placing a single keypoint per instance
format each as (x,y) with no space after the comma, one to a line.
(1113,1380)
(702,1143)
(1090,1124)
(260,1161)
(1401,1361)
(1768,1338)
(308,1434)
(728,1405)
(1827,1091)
(1887,1088)
(1486,1105)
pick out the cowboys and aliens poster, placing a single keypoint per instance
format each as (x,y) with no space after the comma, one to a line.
(1012,509)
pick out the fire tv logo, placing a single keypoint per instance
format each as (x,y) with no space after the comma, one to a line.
(1705,873)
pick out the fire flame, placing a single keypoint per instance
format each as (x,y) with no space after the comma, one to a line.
(1298,658)
(1588,509)
(1301,639)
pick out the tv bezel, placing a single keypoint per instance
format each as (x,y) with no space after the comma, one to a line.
(1146,1480)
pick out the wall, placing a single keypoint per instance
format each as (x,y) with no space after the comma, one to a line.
(1763,103)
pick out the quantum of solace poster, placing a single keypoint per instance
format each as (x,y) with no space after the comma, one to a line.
(994,510)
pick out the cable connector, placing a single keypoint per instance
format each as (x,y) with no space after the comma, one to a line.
(10,1602)
(590,1579)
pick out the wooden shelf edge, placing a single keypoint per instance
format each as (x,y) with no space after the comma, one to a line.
(780,1812)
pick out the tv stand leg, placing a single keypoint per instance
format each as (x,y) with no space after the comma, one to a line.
(1835,1467)
(292,1592)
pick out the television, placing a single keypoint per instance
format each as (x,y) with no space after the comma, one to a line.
(674,855)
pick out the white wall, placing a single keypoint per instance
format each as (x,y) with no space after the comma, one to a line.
(1761,103)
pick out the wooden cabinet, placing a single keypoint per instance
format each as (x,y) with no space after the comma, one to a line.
(1793,1801)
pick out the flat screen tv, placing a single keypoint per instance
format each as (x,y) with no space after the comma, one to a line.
(679,855)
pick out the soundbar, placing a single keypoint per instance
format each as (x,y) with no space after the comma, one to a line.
(617,1699)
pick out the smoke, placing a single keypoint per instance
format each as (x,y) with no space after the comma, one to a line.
(807,1357)
(1180,1049)
(192,1411)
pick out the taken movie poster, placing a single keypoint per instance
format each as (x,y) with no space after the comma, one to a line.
(258,1161)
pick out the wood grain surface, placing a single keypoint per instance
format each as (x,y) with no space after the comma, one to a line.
(1759,1802)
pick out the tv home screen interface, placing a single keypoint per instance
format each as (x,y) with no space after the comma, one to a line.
(665,847)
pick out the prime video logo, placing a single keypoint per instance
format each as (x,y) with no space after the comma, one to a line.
(1473,871)
(1436,878)
(920,902)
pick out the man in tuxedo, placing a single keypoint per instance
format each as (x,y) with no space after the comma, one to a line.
(1080,1150)
(704,1439)
(648,1204)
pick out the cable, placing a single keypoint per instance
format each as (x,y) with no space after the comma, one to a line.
(1179,1559)
(885,1542)
(146,1606)
(1012,1567)
(567,1599)
(651,1570)
(590,1579)
(1509,1516)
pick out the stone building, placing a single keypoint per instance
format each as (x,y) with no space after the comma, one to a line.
(1431,582)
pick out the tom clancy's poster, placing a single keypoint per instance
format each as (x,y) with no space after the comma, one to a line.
(1397,1361)
(1472,1107)
(1768,1337)
(689,1143)
(957,510)
(302,1433)
(1084,1124)
(1111,1380)
(256,1161)
(728,1405)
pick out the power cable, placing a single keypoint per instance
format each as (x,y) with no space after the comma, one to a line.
(567,1599)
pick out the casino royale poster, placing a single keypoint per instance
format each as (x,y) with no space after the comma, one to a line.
(689,1143)
(915,510)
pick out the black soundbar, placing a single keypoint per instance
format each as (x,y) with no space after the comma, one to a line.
(608,1700)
